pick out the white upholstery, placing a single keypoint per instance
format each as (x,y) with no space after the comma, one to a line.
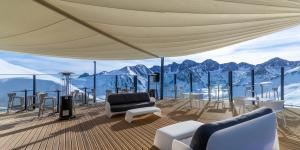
(108,113)
(141,111)
(179,145)
(244,136)
(165,136)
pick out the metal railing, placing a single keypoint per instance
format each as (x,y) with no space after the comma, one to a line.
(237,83)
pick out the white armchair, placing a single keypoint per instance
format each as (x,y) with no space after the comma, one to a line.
(254,130)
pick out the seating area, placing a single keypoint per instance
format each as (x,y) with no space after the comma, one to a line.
(93,130)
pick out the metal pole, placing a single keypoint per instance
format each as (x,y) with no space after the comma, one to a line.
(191,82)
(175,86)
(25,96)
(116,84)
(208,86)
(33,91)
(135,83)
(230,86)
(252,83)
(148,85)
(58,99)
(162,77)
(95,72)
(282,83)
(85,101)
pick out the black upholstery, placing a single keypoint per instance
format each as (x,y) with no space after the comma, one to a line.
(125,107)
(203,133)
(124,102)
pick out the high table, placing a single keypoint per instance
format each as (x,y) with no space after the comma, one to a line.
(191,96)
(262,84)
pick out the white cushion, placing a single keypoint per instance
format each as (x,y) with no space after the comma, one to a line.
(140,111)
(165,136)
(256,134)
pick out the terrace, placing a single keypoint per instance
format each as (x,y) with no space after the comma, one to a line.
(128,30)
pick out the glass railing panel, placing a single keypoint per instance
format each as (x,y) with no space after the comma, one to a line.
(14,84)
(183,84)
(292,86)
(169,92)
(241,83)
(267,79)
(219,85)
(125,83)
(142,83)
(200,84)
(47,83)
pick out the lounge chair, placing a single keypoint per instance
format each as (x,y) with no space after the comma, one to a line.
(255,130)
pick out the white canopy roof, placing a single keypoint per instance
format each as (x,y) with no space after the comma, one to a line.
(137,29)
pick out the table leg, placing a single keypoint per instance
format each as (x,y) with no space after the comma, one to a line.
(262,91)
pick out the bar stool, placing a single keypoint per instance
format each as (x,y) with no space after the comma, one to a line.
(32,105)
(275,93)
(43,97)
(11,98)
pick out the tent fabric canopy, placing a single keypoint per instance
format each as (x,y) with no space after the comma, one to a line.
(151,28)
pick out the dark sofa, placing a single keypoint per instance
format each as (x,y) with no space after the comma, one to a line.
(120,103)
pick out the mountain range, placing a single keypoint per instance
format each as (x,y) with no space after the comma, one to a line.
(267,71)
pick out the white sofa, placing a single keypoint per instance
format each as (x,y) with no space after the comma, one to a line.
(256,134)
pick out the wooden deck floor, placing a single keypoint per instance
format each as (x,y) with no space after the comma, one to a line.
(91,129)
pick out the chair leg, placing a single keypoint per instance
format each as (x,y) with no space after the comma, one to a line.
(284,119)
(8,106)
(41,108)
(53,106)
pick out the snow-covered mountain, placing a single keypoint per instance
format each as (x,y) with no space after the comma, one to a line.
(267,71)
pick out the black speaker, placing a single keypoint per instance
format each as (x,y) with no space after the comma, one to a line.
(155,77)
(152,92)
(66,108)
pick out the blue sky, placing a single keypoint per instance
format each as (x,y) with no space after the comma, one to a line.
(284,44)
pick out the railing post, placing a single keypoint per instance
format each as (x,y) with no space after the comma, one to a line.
(230,94)
(33,91)
(116,84)
(162,78)
(135,83)
(175,86)
(25,96)
(148,84)
(208,86)
(95,73)
(252,83)
(85,100)
(191,81)
(58,100)
(282,83)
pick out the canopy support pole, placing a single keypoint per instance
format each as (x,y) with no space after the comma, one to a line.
(95,82)
(162,61)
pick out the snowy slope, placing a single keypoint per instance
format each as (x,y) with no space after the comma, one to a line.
(12,70)
(17,78)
